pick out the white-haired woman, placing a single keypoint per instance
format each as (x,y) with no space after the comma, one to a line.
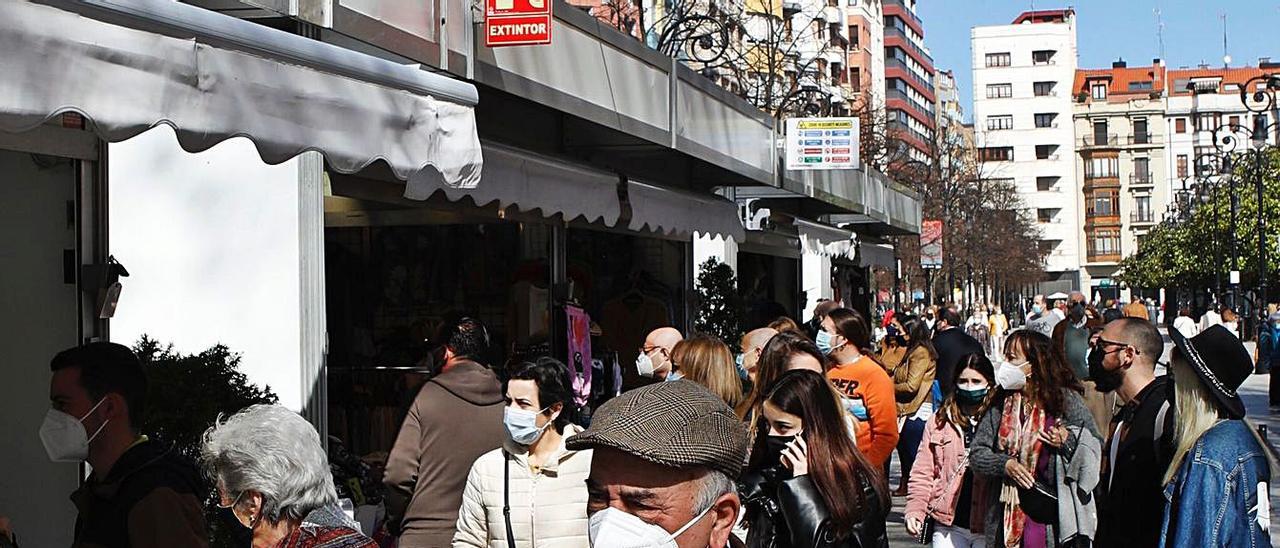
(273,475)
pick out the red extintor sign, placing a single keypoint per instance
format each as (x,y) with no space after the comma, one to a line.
(517,22)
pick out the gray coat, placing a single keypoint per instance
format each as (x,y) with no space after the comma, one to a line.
(1080,470)
(985,459)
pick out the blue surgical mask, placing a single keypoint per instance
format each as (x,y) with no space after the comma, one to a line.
(523,425)
(674,376)
(857,407)
(742,369)
(823,341)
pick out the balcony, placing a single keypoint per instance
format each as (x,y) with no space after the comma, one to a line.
(1099,141)
(918,106)
(894,32)
(1104,257)
(1142,217)
(1142,139)
(1141,180)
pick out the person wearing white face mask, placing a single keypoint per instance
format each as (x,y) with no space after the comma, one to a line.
(654,361)
(140,492)
(1037,426)
(662,475)
(531,492)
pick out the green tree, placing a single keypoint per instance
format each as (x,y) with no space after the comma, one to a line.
(1195,252)
(186,393)
(719,306)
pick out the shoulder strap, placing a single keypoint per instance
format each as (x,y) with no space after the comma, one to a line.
(506,497)
(1158,432)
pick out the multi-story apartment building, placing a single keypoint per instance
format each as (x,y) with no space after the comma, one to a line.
(1121,161)
(1203,101)
(866,53)
(947,109)
(909,74)
(798,53)
(1022,78)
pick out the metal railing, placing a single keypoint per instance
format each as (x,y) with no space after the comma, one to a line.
(1142,139)
(890,31)
(1141,179)
(1142,217)
(899,64)
(1092,140)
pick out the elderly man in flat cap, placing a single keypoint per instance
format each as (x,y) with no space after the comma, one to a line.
(666,457)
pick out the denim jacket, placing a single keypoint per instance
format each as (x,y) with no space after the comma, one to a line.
(1213,499)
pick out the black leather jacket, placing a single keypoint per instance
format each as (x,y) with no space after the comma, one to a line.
(788,512)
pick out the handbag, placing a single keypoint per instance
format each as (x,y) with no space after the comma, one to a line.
(1039,502)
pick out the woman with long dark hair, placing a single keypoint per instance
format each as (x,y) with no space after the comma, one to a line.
(1039,416)
(912,362)
(807,485)
(942,487)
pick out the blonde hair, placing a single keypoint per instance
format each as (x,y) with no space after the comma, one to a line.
(708,361)
(1196,412)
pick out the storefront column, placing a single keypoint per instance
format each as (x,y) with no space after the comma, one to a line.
(815,280)
(314,338)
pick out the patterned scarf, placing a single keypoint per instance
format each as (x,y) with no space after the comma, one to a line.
(1019,438)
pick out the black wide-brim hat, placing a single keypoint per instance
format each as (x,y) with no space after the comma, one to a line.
(1221,362)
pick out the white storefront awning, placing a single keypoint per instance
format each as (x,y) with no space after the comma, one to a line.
(825,240)
(877,255)
(513,177)
(129,65)
(672,211)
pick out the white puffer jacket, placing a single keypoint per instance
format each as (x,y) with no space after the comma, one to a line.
(548,508)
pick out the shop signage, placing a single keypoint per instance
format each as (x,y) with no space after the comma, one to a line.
(517,22)
(931,243)
(822,143)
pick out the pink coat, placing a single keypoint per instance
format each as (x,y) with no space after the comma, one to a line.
(936,478)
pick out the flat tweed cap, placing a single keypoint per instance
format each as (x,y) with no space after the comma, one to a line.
(679,424)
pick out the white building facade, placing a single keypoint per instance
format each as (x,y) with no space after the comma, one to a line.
(1022,78)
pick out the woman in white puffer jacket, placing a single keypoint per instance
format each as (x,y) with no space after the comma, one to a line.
(547,491)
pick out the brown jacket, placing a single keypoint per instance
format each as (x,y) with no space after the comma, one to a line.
(912,378)
(456,417)
(1136,310)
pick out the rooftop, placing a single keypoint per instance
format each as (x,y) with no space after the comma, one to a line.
(1237,76)
(1123,81)
(1045,16)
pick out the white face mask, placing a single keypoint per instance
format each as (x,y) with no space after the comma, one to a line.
(613,528)
(523,425)
(644,365)
(1011,377)
(64,436)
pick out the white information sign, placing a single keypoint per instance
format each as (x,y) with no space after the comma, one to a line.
(822,143)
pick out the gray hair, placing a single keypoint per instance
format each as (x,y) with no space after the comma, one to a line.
(273,451)
(714,485)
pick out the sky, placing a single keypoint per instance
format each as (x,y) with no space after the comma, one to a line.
(1111,29)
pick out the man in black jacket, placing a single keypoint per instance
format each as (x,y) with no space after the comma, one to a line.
(952,344)
(141,493)
(1140,443)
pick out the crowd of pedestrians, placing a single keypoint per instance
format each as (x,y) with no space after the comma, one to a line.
(1058,433)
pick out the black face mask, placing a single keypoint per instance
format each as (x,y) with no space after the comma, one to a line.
(1105,381)
(773,448)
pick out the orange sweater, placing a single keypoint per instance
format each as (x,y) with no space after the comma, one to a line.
(865,380)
